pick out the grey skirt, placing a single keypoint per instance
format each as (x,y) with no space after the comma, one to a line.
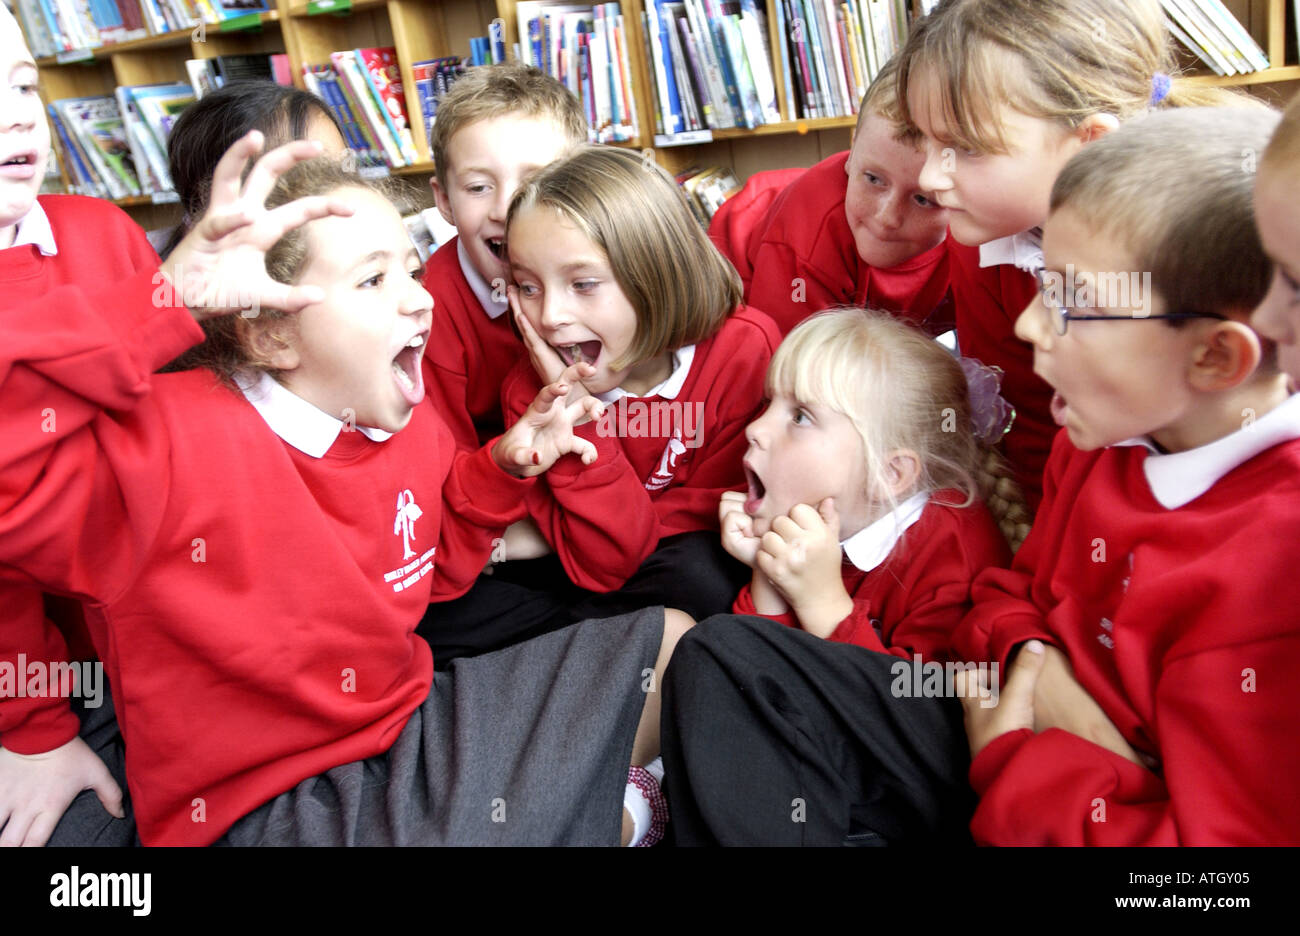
(529,745)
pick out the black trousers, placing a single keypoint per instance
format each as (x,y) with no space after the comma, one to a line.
(772,736)
(522,599)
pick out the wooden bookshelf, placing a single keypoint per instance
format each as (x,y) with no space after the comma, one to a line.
(424,29)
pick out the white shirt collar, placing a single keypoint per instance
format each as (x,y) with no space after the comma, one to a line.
(34,228)
(669,389)
(871,545)
(1023,251)
(308,429)
(1179,478)
(481,289)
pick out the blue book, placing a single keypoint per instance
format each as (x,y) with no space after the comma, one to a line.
(666,56)
(497,39)
(535,41)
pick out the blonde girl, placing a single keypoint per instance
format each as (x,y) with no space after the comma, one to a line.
(864,523)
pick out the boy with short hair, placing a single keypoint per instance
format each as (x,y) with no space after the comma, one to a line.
(1151,612)
(855,229)
(495,126)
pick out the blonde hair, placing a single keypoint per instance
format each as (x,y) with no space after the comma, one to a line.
(901,390)
(881,100)
(230,346)
(1284,148)
(1061,60)
(1176,190)
(680,287)
(509,89)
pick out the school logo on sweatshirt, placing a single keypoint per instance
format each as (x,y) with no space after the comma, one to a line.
(673,455)
(404,526)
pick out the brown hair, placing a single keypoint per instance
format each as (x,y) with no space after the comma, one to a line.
(681,288)
(230,342)
(901,390)
(881,100)
(1061,60)
(491,91)
(1284,147)
(1176,190)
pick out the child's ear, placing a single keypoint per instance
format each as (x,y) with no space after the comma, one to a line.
(1096,126)
(1225,358)
(902,472)
(269,342)
(443,202)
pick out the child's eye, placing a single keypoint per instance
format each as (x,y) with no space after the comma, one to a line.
(477,188)
(528,290)
(586,285)
(923,201)
(799,416)
(418,275)
(375,280)
(27,88)
(873,178)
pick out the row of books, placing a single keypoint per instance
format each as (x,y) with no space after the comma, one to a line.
(363,88)
(432,80)
(714,68)
(1210,32)
(706,190)
(55,26)
(116,146)
(585,47)
(209,74)
(833,50)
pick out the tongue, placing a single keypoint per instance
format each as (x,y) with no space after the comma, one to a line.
(408,364)
(1058,409)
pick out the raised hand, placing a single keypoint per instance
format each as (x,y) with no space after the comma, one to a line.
(544,433)
(220,266)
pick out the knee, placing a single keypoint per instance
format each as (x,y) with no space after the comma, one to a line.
(676,625)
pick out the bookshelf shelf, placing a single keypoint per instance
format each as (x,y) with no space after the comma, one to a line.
(161,41)
(788,126)
(1273,75)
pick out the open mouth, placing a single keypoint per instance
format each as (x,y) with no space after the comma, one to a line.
(22,159)
(497,246)
(583,352)
(406,370)
(756,491)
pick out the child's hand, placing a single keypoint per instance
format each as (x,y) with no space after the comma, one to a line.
(36,789)
(523,540)
(1015,704)
(801,556)
(220,266)
(1061,702)
(738,537)
(544,432)
(546,360)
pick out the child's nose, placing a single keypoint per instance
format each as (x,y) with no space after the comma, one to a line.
(1031,326)
(417,301)
(889,211)
(554,314)
(934,174)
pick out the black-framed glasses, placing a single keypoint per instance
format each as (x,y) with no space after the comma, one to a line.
(1059,316)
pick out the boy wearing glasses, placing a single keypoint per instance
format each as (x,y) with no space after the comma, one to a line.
(1148,628)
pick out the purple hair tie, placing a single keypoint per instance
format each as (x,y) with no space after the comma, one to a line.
(991,415)
(1160,85)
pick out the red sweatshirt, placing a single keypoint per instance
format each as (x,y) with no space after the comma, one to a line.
(663,461)
(1179,619)
(805,236)
(255,606)
(97,244)
(988,301)
(469,352)
(912,598)
(741,216)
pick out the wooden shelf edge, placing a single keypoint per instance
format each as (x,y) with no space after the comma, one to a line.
(1267,76)
(788,126)
(159,41)
(300,10)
